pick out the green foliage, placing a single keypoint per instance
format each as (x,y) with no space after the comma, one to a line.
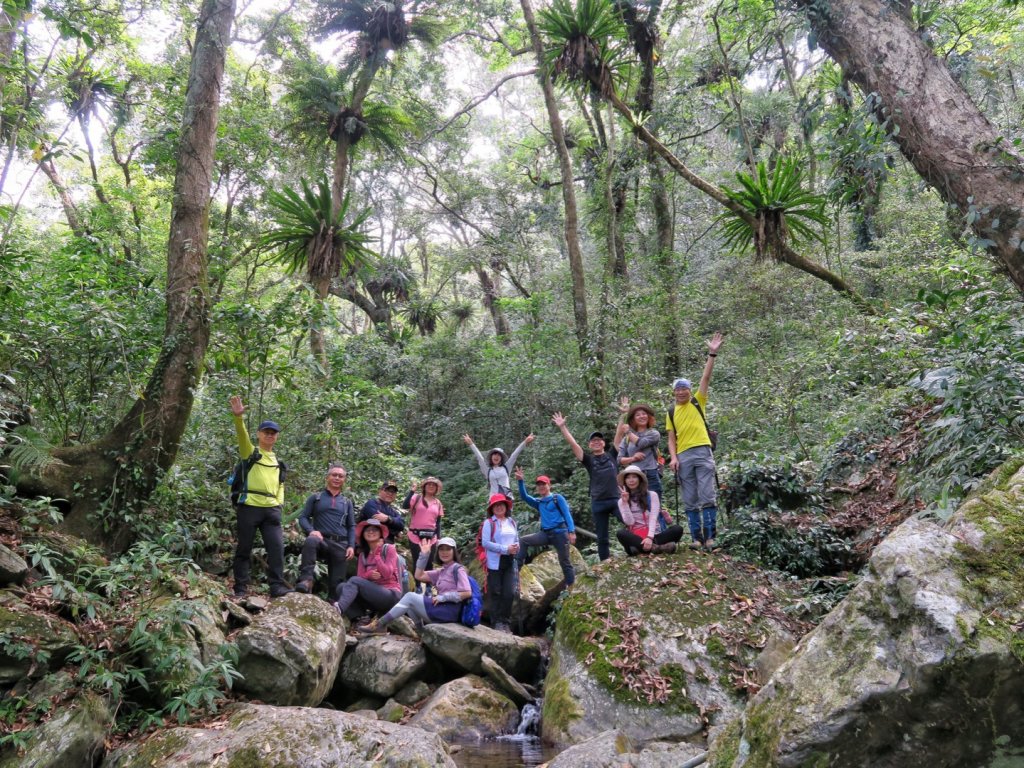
(784,213)
(586,42)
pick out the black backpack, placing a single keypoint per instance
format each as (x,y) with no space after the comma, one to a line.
(239,478)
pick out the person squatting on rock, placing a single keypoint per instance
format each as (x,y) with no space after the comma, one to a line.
(376,586)
(261,506)
(604,487)
(440,605)
(556,525)
(380,508)
(329,522)
(500,539)
(426,511)
(497,467)
(690,448)
(639,509)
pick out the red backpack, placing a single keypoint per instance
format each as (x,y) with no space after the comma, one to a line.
(481,553)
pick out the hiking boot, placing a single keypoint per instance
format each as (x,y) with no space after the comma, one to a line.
(305,586)
(664,549)
(280,591)
(695,544)
(373,628)
(710,545)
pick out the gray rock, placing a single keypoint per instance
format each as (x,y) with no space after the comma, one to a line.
(505,682)
(290,654)
(776,650)
(36,641)
(605,750)
(287,737)
(73,735)
(413,693)
(371,703)
(467,708)
(391,712)
(381,665)
(13,567)
(540,584)
(919,667)
(465,647)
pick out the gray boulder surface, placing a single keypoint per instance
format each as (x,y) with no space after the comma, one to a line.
(381,665)
(465,647)
(467,708)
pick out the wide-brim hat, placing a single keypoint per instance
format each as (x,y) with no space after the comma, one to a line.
(632,471)
(384,530)
(434,480)
(500,452)
(500,498)
(641,407)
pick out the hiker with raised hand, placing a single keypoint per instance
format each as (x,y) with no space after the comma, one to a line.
(329,522)
(377,584)
(497,467)
(639,509)
(442,604)
(261,506)
(499,537)
(426,511)
(380,508)
(638,441)
(604,486)
(691,457)
(556,526)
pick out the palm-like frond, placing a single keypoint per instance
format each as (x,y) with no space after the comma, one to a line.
(584,42)
(84,85)
(307,237)
(782,210)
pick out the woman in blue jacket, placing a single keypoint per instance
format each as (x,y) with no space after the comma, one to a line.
(556,525)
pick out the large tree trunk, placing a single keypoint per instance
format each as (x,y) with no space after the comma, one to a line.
(941,131)
(571,225)
(491,294)
(118,472)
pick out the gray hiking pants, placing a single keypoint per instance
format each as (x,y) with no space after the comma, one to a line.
(696,476)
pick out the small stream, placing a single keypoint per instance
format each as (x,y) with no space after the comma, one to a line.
(522,749)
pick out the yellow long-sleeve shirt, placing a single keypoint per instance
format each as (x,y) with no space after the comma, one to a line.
(264,487)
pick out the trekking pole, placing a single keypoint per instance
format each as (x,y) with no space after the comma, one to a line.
(675,478)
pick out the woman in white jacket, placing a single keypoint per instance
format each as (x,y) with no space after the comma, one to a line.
(497,466)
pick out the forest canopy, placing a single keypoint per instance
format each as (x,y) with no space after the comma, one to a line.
(387,224)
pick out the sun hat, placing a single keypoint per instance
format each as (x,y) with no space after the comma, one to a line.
(500,498)
(384,530)
(432,479)
(447,541)
(640,407)
(632,471)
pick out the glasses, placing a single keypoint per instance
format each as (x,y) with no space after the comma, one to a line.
(337,474)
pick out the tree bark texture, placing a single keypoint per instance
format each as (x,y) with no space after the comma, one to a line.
(491,294)
(572,238)
(943,134)
(120,470)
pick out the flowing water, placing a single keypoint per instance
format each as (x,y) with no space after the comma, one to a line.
(522,749)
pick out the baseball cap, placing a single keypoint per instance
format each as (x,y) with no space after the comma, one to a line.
(268,424)
(543,479)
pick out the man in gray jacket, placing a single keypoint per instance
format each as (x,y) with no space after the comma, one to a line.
(328,519)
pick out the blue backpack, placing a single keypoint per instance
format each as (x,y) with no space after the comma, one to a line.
(474,606)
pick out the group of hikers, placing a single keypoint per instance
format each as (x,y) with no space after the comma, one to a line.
(624,480)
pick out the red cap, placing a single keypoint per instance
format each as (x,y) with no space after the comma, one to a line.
(544,479)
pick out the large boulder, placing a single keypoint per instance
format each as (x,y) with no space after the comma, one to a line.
(614,749)
(286,737)
(662,646)
(75,732)
(921,665)
(381,665)
(540,583)
(13,567)
(465,647)
(291,652)
(467,708)
(32,641)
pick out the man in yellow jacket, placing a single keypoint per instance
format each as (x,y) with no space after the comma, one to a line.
(261,506)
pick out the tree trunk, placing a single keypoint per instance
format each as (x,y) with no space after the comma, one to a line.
(118,472)
(66,201)
(941,132)
(572,239)
(491,295)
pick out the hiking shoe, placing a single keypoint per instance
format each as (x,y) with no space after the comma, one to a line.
(695,544)
(305,586)
(373,628)
(710,545)
(280,591)
(664,549)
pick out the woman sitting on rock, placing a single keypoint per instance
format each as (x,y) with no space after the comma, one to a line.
(377,584)
(639,509)
(442,604)
(426,511)
(500,539)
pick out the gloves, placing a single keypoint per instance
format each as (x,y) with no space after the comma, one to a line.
(448,597)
